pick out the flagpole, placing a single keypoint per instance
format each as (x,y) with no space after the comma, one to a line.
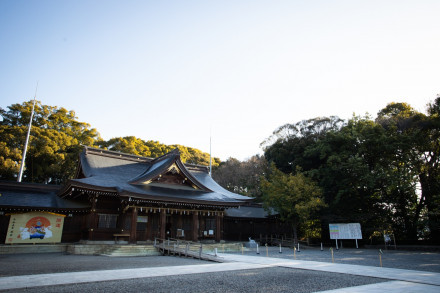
(20,174)
(210,158)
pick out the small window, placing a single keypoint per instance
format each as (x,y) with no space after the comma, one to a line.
(107,221)
(141,224)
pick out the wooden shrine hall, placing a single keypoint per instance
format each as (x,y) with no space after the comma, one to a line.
(142,198)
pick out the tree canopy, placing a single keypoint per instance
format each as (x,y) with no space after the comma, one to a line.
(383,173)
(54,144)
(242,177)
(57,138)
(294,197)
(154,149)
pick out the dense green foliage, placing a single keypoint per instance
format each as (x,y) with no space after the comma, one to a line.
(57,138)
(54,144)
(383,173)
(294,197)
(154,149)
(242,177)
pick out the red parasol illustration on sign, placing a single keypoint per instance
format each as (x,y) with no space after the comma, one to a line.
(39,227)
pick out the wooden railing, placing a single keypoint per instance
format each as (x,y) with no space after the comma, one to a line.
(184,248)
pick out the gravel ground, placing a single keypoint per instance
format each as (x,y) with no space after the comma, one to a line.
(410,260)
(46,263)
(262,280)
(274,279)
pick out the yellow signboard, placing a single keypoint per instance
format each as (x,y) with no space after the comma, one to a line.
(35,227)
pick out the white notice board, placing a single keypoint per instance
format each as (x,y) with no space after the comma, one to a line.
(345,231)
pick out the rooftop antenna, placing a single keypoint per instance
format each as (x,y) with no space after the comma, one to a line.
(20,174)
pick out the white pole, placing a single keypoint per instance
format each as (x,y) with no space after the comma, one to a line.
(356,243)
(20,174)
(210,157)
(298,247)
(280,249)
(258,252)
(321,247)
(337,248)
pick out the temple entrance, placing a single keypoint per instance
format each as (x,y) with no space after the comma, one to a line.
(168,227)
(142,227)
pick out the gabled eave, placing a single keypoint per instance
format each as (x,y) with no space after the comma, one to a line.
(149,176)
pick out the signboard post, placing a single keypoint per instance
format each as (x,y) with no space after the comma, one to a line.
(345,231)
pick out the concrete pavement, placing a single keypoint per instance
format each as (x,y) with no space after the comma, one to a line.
(422,277)
(399,280)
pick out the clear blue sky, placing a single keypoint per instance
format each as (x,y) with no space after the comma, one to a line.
(173,71)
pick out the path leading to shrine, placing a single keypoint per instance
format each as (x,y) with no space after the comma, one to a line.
(239,273)
(400,280)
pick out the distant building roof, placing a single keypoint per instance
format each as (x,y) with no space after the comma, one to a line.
(29,196)
(250,211)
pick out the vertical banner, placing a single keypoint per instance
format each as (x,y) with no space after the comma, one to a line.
(35,227)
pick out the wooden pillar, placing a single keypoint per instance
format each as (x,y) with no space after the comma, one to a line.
(133,226)
(163,223)
(92,218)
(195,226)
(218,227)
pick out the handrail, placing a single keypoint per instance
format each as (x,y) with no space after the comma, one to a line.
(173,246)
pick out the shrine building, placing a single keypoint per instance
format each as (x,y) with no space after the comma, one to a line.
(133,198)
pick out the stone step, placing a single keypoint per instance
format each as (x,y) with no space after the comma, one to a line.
(128,250)
(116,254)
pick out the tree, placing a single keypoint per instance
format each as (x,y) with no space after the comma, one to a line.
(55,142)
(294,197)
(430,169)
(154,149)
(348,172)
(57,138)
(402,162)
(242,177)
(288,143)
(384,173)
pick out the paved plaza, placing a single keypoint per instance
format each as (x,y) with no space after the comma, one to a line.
(312,271)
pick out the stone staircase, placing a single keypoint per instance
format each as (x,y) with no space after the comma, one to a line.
(112,249)
(129,250)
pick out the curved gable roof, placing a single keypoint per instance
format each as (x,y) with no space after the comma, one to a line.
(130,176)
(164,164)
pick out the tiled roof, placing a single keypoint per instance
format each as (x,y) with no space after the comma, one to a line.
(25,195)
(124,174)
(255,212)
